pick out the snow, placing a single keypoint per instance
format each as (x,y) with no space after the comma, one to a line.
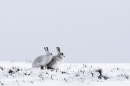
(69,74)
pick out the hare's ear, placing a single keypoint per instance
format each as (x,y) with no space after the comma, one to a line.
(47,49)
(58,49)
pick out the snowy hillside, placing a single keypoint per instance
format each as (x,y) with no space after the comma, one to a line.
(78,74)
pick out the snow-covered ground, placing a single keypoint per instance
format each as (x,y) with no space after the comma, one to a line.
(74,74)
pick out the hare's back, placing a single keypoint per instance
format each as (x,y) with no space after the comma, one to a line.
(41,58)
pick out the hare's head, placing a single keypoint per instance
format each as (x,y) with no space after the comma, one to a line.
(47,51)
(61,54)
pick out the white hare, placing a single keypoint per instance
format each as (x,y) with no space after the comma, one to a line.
(56,60)
(42,60)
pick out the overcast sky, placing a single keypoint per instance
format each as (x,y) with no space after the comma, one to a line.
(85,30)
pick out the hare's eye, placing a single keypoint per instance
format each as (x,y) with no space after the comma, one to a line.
(51,53)
(61,53)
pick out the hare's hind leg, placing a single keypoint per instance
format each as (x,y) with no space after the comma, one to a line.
(48,67)
(43,67)
(52,69)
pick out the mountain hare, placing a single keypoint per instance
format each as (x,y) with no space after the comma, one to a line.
(42,60)
(56,60)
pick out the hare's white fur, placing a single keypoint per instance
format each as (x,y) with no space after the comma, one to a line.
(56,60)
(42,60)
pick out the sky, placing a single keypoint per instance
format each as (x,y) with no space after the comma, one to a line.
(92,31)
